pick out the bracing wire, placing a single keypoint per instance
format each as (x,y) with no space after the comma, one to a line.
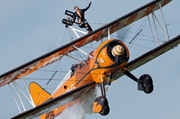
(63,36)
(138,32)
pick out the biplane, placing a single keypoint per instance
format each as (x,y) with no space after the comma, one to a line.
(104,65)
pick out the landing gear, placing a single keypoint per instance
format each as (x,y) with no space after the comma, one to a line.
(105,110)
(100,104)
(145,82)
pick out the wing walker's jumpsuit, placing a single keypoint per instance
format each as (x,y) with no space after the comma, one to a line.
(82,22)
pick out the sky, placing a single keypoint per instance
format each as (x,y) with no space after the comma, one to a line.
(29,29)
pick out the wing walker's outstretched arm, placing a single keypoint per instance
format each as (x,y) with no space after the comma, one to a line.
(87,7)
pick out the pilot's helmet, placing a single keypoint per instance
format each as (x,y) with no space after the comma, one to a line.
(74,64)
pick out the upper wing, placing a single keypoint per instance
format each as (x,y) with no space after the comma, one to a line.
(152,54)
(96,35)
(59,101)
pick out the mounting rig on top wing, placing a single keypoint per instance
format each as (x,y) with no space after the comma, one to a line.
(68,20)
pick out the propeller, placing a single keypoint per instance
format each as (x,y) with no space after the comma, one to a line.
(123,33)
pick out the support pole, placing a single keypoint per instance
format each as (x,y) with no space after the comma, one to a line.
(74,31)
(78,30)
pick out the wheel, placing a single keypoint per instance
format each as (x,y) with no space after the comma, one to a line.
(146,79)
(105,110)
(149,88)
(145,83)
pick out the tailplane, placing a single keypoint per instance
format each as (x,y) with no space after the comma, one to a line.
(38,94)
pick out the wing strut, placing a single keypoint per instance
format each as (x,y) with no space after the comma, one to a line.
(15,86)
(155,28)
(19,96)
(151,30)
(82,51)
(32,103)
(164,21)
(30,100)
(74,58)
(74,30)
(109,33)
(165,34)
(14,98)
(155,18)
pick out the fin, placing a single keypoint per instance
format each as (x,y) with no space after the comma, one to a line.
(38,94)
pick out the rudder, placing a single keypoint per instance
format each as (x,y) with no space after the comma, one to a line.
(38,94)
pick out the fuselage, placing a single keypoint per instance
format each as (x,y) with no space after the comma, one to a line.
(102,63)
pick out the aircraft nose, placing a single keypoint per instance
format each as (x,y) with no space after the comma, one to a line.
(117,50)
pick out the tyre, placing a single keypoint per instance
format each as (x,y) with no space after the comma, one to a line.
(149,88)
(105,110)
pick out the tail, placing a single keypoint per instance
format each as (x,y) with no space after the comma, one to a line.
(38,94)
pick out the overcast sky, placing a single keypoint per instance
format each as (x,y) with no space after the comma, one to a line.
(30,28)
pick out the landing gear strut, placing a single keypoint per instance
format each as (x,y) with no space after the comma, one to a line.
(101,103)
(145,82)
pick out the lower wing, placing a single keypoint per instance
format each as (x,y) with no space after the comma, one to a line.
(54,103)
(148,56)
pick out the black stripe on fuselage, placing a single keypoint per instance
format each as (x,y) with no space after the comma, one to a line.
(111,66)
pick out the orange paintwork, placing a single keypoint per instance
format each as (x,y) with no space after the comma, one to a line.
(96,69)
(96,107)
(38,94)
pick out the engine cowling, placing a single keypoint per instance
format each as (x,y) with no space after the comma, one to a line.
(111,53)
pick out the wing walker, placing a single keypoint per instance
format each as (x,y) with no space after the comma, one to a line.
(79,14)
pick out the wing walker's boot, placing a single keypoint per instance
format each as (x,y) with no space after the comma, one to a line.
(88,28)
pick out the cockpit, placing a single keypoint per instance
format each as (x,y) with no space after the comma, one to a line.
(75,66)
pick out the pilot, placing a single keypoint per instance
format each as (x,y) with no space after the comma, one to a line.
(82,22)
(73,68)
